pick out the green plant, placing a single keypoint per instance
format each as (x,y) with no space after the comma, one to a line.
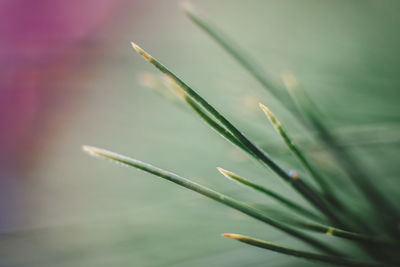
(376,233)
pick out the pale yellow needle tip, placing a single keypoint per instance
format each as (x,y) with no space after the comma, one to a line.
(136,47)
(187,7)
(141,51)
(265,109)
(232,236)
(224,172)
(270,115)
(97,152)
(90,150)
(221,170)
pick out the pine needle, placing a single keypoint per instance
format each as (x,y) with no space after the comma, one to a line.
(286,202)
(300,156)
(339,261)
(102,153)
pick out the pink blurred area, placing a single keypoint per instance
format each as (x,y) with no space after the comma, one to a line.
(43,44)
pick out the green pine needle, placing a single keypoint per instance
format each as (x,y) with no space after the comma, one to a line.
(288,203)
(295,150)
(226,200)
(339,261)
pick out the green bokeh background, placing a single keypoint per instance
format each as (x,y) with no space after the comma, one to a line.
(84,212)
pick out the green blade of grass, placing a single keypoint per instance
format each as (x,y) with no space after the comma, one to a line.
(304,189)
(288,203)
(339,261)
(226,200)
(385,211)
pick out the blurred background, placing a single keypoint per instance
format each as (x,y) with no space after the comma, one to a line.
(69,77)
